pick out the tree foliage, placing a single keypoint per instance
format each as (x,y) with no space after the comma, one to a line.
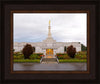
(27,51)
(33,49)
(83,47)
(71,51)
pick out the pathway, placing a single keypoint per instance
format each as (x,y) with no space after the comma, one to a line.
(50,67)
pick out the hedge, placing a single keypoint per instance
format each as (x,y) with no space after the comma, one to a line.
(26,61)
(72,60)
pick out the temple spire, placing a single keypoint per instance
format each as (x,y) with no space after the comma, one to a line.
(49,22)
(49,39)
(49,30)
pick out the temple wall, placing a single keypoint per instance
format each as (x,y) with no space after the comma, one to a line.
(38,46)
(60,50)
(38,50)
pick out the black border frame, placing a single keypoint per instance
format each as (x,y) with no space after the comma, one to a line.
(95,78)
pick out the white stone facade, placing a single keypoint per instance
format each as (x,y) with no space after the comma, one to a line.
(49,43)
(40,47)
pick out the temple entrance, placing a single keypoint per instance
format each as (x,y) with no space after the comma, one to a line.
(49,53)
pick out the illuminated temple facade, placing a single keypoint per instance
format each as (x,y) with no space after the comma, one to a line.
(49,44)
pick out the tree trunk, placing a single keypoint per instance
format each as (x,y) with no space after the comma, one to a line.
(26,57)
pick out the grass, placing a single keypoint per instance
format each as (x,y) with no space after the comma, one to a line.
(26,61)
(72,60)
(60,60)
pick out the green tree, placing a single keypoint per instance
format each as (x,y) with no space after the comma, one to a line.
(83,47)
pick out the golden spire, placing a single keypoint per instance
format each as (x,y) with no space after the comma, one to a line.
(49,30)
(49,22)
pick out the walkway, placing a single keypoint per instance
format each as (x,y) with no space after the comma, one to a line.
(50,67)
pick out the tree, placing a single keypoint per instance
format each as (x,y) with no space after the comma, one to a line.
(27,51)
(83,47)
(71,51)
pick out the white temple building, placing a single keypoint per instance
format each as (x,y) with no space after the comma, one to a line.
(49,45)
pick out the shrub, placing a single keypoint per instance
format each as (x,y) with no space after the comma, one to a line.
(58,54)
(71,51)
(84,57)
(18,57)
(82,52)
(62,56)
(36,56)
(32,56)
(66,56)
(27,51)
(16,53)
(14,57)
(81,55)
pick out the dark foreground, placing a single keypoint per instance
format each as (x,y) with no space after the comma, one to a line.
(50,67)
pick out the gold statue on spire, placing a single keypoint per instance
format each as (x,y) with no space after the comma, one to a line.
(49,22)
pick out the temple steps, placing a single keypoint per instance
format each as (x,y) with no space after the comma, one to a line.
(49,60)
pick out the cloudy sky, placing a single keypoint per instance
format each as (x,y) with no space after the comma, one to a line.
(65,27)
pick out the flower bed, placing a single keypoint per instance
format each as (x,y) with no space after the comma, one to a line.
(72,60)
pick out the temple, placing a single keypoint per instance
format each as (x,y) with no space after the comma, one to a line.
(49,46)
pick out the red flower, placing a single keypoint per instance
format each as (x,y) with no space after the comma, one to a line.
(41,55)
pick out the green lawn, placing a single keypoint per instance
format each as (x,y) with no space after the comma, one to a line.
(72,60)
(38,61)
(26,60)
